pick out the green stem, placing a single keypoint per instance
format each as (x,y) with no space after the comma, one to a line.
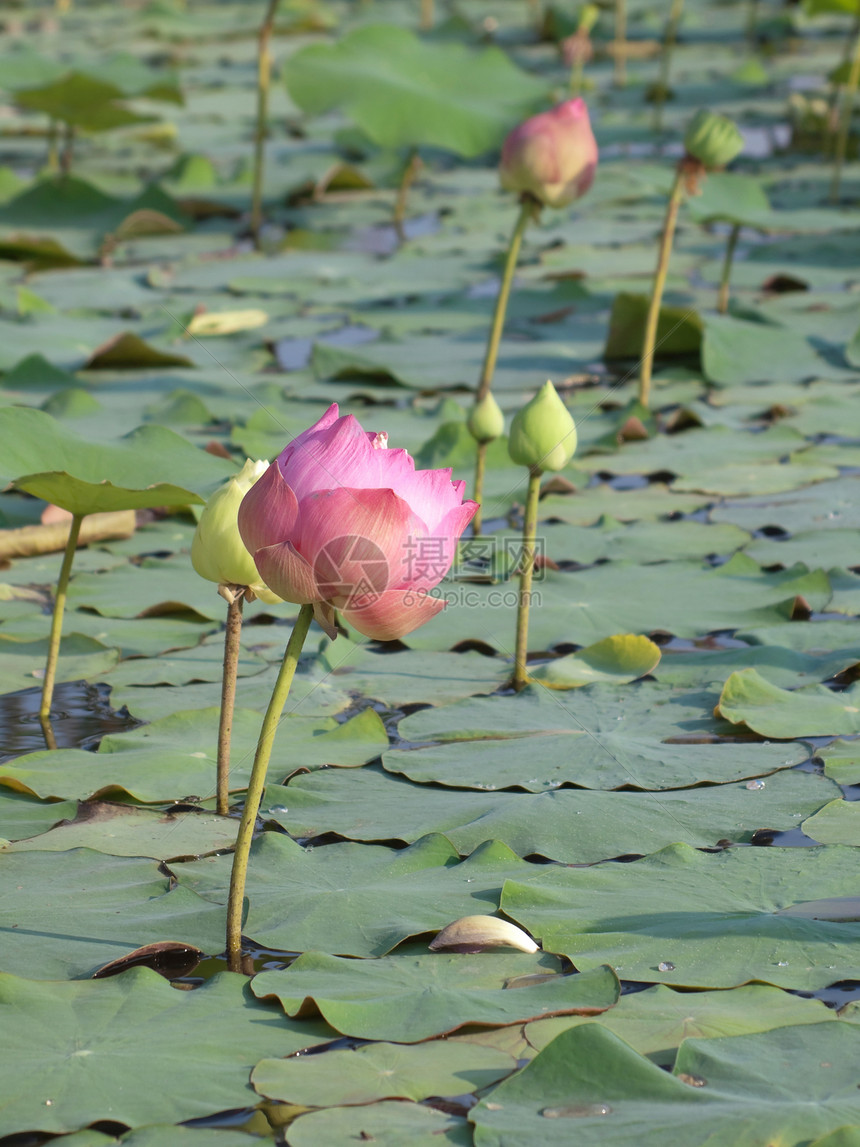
(670,37)
(68,152)
(752,23)
(57,619)
(264,76)
(492,352)
(620,72)
(256,785)
(53,147)
(576,78)
(232,635)
(835,89)
(846,112)
(413,166)
(731,243)
(520,679)
(663,255)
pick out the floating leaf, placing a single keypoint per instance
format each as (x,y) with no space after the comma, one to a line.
(813,711)
(621,659)
(785,1086)
(122,1071)
(403,91)
(413,995)
(706,920)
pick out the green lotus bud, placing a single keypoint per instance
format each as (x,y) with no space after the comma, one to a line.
(588,17)
(543,433)
(712,139)
(486,421)
(217,551)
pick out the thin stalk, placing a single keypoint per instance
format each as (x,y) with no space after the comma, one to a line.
(232,635)
(731,243)
(53,147)
(57,619)
(576,77)
(752,23)
(257,783)
(836,90)
(426,15)
(492,352)
(620,73)
(413,166)
(264,76)
(663,255)
(846,112)
(670,37)
(68,152)
(520,679)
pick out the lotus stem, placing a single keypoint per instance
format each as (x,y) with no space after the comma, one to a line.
(256,785)
(413,166)
(520,679)
(663,256)
(492,352)
(68,152)
(426,15)
(576,75)
(232,635)
(264,76)
(620,72)
(845,114)
(731,243)
(57,623)
(752,23)
(830,120)
(670,37)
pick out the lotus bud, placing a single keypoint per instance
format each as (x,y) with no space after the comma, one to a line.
(543,433)
(552,156)
(486,421)
(217,551)
(712,139)
(477,933)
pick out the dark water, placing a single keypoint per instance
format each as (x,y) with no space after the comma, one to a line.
(80,716)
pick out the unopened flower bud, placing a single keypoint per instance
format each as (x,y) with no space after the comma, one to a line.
(552,156)
(486,421)
(217,551)
(712,139)
(543,433)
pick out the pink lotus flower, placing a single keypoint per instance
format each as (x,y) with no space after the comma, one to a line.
(341,522)
(552,156)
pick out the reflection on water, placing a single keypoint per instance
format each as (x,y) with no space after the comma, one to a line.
(81,715)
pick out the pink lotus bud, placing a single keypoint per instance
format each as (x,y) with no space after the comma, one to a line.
(552,156)
(340,520)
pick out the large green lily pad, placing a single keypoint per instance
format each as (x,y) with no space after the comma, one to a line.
(700,920)
(403,91)
(785,1086)
(113,1049)
(416,994)
(367,804)
(354,899)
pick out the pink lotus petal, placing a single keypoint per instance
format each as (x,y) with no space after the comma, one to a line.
(392,614)
(287,574)
(356,540)
(430,493)
(337,455)
(268,512)
(433,554)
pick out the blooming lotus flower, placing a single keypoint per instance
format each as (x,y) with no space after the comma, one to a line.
(552,156)
(341,522)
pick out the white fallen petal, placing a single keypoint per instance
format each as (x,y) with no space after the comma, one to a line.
(476,933)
